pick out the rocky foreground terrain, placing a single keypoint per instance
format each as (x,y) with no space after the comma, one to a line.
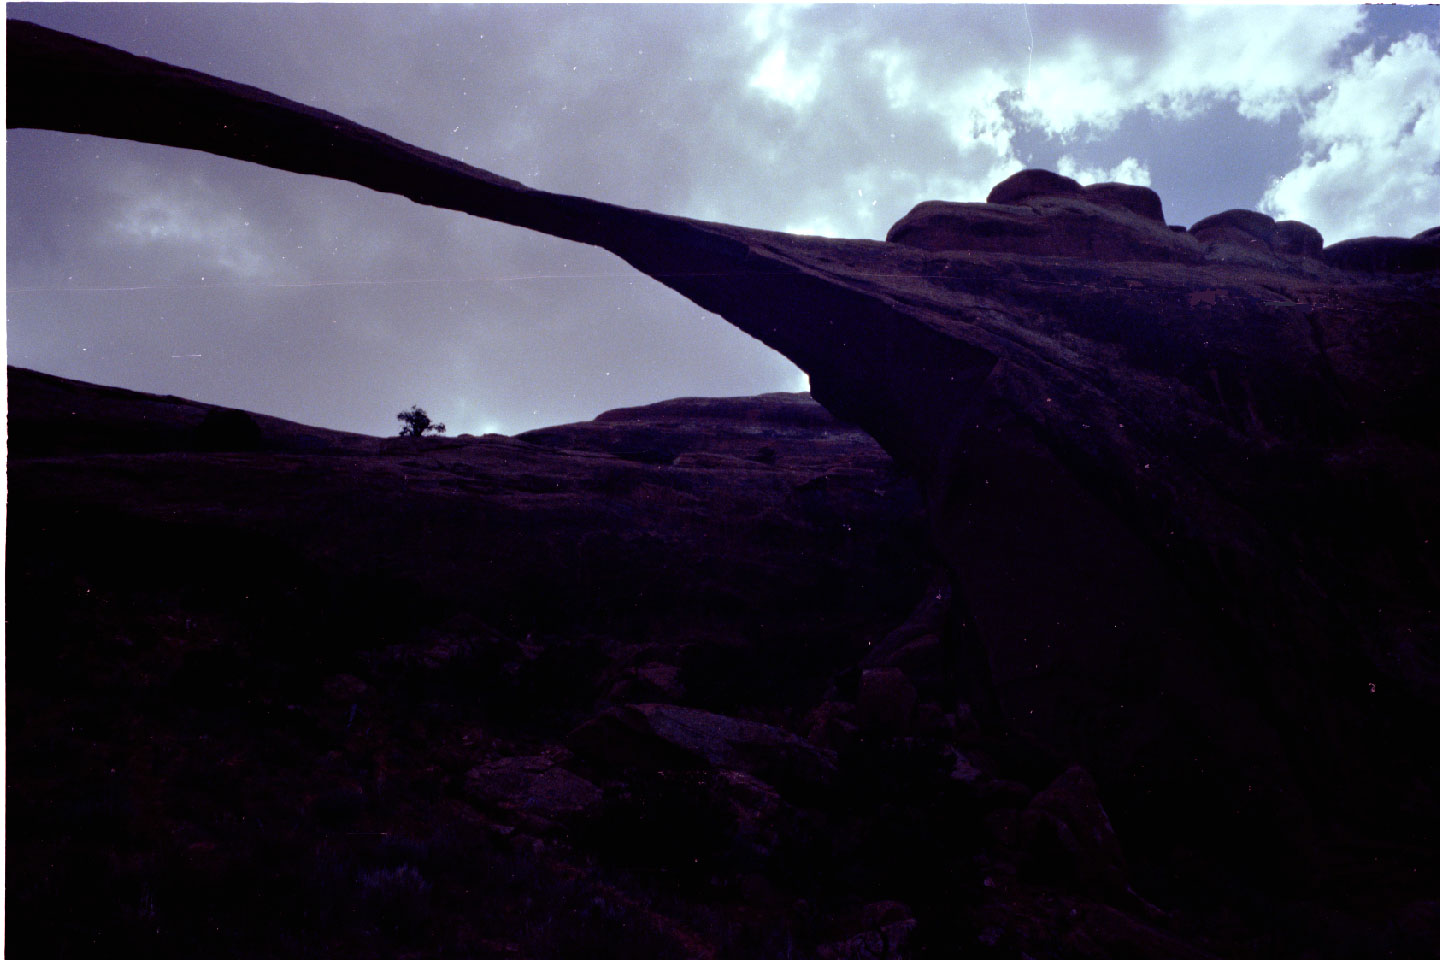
(277,690)
(1131,650)
(671,683)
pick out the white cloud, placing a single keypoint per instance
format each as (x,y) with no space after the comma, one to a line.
(898,76)
(1373,163)
(764,20)
(1080,84)
(794,86)
(876,120)
(785,73)
(203,231)
(1263,59)
(1129,170)
(223,241)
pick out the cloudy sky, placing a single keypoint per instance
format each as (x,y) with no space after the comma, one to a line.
(174,272)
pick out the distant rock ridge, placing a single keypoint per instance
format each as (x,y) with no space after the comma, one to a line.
(1185,486)
(1041,213)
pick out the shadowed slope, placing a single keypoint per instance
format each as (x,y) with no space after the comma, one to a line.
(1188,502)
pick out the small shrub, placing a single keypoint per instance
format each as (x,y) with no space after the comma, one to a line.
(417,423)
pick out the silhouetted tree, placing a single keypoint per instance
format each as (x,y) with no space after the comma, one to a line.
(417,423)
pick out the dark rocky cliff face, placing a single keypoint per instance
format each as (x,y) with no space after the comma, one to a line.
(1181,487)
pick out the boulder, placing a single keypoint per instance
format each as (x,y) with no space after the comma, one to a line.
(658,736)
(534,785)
(663,677)
(961,769)
(760,817)
(832,725)
(1029,184)
(1033,183)
(1258,232)
(1067,833)
(1385,254)
(1241,227)
(1141,201)
(1297,239)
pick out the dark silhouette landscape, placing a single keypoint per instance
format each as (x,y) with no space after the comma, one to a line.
(1087,609)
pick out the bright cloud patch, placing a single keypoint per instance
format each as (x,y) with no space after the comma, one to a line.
(781,74)
(222,239)
(1373,163)
(1080,83)
(819,226)
(1264,60)
(1129,170)
(794,86)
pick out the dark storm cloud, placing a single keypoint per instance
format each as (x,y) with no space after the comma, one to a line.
(324,302)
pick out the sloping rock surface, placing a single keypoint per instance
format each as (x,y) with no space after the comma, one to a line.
(695,531)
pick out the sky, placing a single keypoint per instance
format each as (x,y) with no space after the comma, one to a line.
(175,272)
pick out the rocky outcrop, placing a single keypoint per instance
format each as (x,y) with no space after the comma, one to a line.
(1241,227)
(1141,201)
(1184,485)
(1297,239)
(1039,213)
(1020,187)
(1257,232)
(1033,183)
(1386,254)
(1043,226)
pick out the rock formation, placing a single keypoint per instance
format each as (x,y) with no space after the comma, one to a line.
(1184,484)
